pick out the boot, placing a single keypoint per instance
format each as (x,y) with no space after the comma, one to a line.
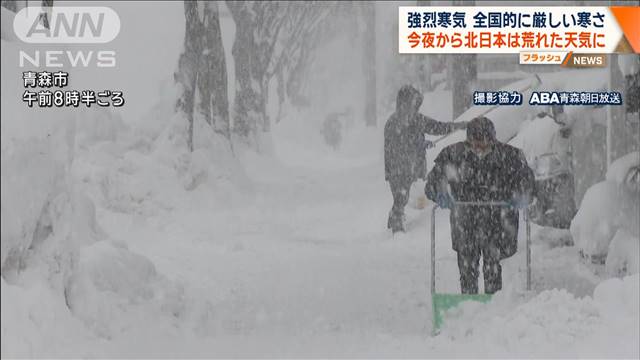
(395,222)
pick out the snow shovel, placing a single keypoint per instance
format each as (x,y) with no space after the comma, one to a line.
(441,302)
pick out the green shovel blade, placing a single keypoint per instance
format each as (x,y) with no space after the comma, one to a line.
(443,302)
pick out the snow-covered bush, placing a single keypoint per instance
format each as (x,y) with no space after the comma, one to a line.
(619,169)
(52,247)
(213,164)
(97,124)
(110,284)
(609,208)
(596,222)
(619,298)
(36,323)
(622,258)
(42,220)
(536,137)
(37,150)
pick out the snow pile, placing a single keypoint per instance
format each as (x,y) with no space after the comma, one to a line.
(211,168)
(97,125)
(108,278)
(596,222)
(37,323)
(43,222)
(617,301)
(536,137)
(551,323)
(158,157)
(611,208)
(619,169)
(554,318)
(622,257)
(64,280)
(36,152)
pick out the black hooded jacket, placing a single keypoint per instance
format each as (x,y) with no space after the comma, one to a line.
(501,175)
(405,145)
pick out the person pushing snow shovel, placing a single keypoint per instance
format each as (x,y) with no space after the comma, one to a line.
(405,149)
(481,169)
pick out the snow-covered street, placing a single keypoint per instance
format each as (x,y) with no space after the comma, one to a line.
(286,255)
(307,258)
(236,201)
(307,267)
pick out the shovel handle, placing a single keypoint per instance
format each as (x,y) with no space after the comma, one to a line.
(482,203)
(433,249)
(528,246)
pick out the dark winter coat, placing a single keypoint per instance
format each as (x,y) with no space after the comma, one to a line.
(405,146)
(501,175)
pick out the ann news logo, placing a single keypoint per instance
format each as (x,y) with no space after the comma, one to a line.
(67,25)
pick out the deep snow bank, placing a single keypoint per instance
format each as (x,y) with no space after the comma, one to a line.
(43,222)
(64,281)
(108,278)
(609,211)
(596,222)
(37,150)
(552,323)
(37,323)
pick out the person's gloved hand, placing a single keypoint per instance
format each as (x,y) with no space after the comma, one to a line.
(444,201)
(460,125)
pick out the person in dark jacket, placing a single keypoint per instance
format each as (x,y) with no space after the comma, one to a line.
(405,149)
(481,169)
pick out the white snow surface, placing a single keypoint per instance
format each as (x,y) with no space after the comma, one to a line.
(537,137)
(286,256)
(618,169)
(598,218)
(608,207)
(123,244)
(621,258)
(554,323)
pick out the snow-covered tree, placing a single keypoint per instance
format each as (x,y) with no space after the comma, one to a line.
(10,4)
(270,39)
(291,63)
(46,14)
(15,6)
(202,70)
(212,83)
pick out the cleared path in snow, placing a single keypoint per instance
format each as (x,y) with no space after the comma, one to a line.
(306,268)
